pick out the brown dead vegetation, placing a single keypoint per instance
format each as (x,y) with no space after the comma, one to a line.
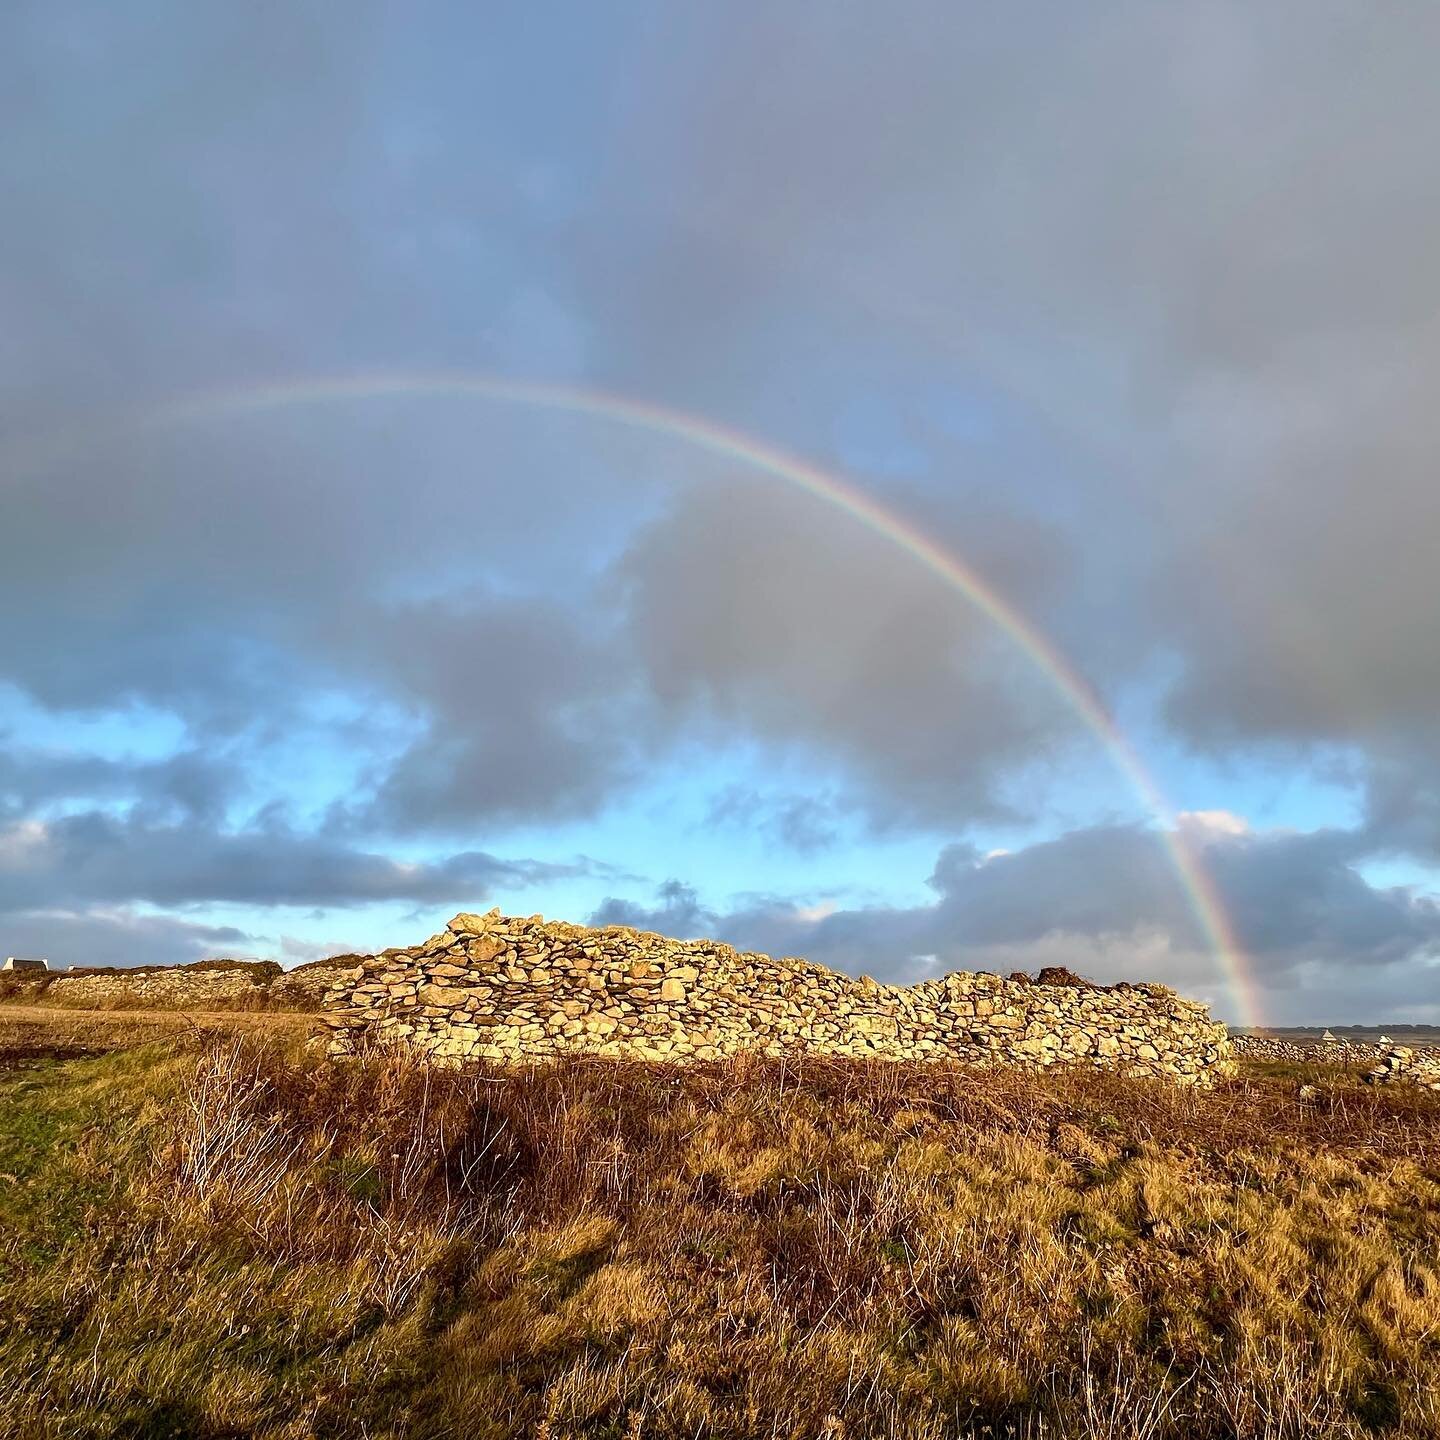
(830,1249)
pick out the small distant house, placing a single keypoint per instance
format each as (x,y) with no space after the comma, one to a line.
(19,962)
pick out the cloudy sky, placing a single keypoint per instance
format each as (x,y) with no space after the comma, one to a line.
(1133,310)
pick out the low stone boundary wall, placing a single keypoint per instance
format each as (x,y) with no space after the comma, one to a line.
(1389,1063)
(1318,1052)
(206,984)
(495,988)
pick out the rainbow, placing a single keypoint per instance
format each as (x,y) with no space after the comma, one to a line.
(707,435)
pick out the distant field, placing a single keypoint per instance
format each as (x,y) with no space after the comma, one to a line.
(209,1232)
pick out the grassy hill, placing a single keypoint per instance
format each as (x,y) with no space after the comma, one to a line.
(213,1234)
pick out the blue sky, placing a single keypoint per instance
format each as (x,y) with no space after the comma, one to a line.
(1133,316)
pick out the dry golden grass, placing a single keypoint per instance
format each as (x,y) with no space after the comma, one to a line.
(60,1032)
(273,1246)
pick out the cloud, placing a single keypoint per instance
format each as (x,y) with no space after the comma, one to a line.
(757,611)
(802,824)
(1402,799)
(301,952)
(1196,245)
(259,619)
(1106,901)
(527,714)
(98,858)
(119,936)
(186,784)
(677,911)
(233,568)
(1131,311)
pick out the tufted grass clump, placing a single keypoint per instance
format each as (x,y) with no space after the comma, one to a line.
(259,1243)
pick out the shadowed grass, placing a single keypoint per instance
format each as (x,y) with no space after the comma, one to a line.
(268,1245)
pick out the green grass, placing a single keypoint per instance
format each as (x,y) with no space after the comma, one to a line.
(72,1134)
(226,1239)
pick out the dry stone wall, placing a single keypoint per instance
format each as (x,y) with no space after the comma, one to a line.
(494,988)
(305,987)
(209,983)
(206,984)
(1328,1052)
(1402,1065)
(1388,1063)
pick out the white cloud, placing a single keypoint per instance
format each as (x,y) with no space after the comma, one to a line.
(22,844)
(1202,825)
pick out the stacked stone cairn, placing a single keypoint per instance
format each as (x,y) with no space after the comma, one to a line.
(503,989)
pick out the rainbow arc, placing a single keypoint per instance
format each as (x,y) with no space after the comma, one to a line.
(707,435)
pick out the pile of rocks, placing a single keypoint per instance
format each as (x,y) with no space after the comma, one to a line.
(489,987)
(1401,1064)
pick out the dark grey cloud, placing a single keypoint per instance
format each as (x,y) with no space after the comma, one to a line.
(1133,310)
(95,858)
(1402,798)
(188,784)
(527,712)
(1197,243)
(1318,937)
(1195,246)
(676,910)
(169,578)
(532,681)
(1304,601)
(758,611)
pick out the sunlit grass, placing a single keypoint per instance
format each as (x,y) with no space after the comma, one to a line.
(239,1239)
